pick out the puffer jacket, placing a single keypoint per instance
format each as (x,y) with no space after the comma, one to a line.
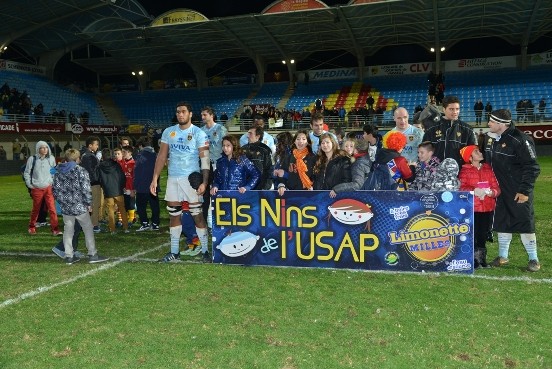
(336,171)
(425,174)
(112,178)
(72,188)
(469,178)
(232,174)
(359,173)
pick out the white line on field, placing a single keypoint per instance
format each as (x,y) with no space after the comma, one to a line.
(104,266)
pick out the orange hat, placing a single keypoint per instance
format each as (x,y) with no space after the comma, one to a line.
(466,152)
(394,140)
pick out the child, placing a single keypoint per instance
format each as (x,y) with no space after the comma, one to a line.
(425,168)
(129,194)
(72,190)
(143,174)
(446,176)
(112,180)
(234,170)
(349,146)
(479,177)
(296,169)
(390,155)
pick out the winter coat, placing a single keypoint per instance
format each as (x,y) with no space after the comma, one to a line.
(111,178)
(424,175)
(42,171)
(71,188)
(336,171)
(470,177)
(359,173)
(143,170)
(291,178)
(446,176)
(514,162)
(90,162)
(449,137)
(261,156)
(232,174)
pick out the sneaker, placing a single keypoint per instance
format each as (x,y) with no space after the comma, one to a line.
(533,266)
(59,253)
(206,257)
(154,227)
(193,250)
(32,230)
(499,261)
(126,231)
(57,233)
(97,259)
(144,227)
(42,224)
(170,257)
(97,229)
(78,254)
(72,260)
(119,224)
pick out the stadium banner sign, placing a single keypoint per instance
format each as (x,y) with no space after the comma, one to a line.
(399,69)
(21,67)
(541,59)
(30,128)
(480,63)
(329,74)
(541,133)
(369,230)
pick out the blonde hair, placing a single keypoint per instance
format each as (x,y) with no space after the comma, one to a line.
(72,155)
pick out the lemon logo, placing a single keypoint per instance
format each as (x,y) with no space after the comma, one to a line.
(429,237)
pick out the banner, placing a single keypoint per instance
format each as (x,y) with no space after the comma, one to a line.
(541,133)
(371,230)
(480,63)
(31,128)
(21,67)
(541,59)
(399,69)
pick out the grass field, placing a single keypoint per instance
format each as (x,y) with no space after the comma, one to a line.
(135,313)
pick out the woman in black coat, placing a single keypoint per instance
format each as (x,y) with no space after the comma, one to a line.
(333,166)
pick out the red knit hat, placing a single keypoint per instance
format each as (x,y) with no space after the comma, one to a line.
(394,140)
(466,152)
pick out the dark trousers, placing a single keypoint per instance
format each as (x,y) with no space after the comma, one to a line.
(481,223)
(142,201)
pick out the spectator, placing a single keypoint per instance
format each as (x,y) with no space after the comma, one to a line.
(112,180)
(512,156)
(261,156)
(90,162)
(296,170)
(359,169)
(542,107)
(488,110)
(317,126)
(478,109)
(143,174)
(26,151)
(234,170)
(426,167)
(72,191)
(3,154)
(333,165)
(478,177)
(38,178)
(450,134)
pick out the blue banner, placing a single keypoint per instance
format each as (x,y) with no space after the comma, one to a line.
(372,230)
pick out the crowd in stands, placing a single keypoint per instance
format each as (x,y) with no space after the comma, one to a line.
(20,104)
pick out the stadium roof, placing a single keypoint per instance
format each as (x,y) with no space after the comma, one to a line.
(124,30)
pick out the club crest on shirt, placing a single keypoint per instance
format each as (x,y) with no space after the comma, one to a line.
(189,137)
(173,134)
(458,134)
(410,138)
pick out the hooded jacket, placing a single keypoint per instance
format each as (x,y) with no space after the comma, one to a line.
(111,178)
(42,172)
(233,174)
(143,171)
(470,177)
(71,188)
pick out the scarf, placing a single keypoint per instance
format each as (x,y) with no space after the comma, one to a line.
(302,167)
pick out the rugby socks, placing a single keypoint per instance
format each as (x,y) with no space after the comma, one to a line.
(202,234)
(504,240)
(175,232)
(529,241)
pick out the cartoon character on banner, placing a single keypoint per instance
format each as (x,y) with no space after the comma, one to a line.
(350,211)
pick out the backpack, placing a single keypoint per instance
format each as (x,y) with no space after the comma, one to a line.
(380,178)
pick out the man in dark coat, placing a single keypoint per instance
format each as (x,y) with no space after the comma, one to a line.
(512,156)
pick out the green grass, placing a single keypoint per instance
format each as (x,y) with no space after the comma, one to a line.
(187,315)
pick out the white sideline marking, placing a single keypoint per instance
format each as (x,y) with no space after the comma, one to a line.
(103,266)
